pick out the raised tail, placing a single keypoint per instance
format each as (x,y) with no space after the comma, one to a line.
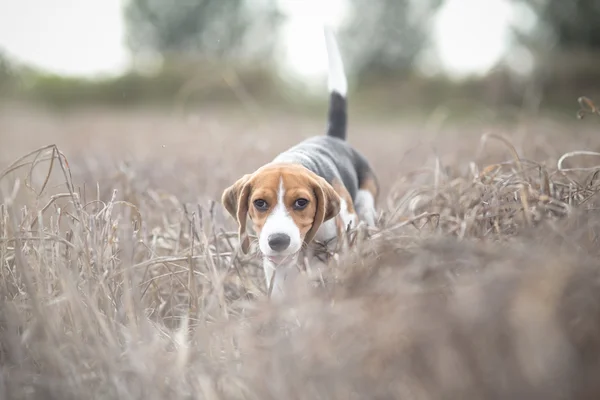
(338,88)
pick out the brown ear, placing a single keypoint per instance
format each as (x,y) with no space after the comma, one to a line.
(235,201)
(328,205)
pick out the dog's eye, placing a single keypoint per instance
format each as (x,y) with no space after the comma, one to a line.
(300,204)
(260,204)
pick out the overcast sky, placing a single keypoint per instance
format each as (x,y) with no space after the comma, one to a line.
(85,37)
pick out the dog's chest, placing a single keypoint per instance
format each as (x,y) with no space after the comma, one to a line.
(328,230)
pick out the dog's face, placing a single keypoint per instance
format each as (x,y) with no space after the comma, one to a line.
(286,203)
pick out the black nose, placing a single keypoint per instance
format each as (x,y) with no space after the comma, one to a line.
(279,241)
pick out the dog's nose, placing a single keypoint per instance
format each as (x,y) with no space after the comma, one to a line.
(279,241)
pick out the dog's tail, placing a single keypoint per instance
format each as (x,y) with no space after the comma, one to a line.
(338,88)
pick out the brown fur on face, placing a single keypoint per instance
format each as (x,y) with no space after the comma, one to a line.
(298,182)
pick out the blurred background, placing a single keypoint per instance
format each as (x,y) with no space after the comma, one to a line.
(402,56)
(467,111)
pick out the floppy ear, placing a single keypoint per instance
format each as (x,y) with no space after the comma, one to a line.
(235,201)
(328,205)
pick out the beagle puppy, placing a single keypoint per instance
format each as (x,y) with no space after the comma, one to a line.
(309,192)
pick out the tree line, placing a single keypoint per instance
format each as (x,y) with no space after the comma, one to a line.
(378,37)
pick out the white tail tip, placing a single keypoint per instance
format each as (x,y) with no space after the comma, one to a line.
(337,76)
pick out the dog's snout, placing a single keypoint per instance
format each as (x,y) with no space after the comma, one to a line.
(279,241)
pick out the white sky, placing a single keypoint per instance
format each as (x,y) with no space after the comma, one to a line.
(79,37)
(471,34)
(85,37)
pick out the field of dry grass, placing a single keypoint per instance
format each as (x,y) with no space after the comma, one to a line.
(121,279)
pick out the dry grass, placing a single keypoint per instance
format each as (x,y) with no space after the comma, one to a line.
(123,279)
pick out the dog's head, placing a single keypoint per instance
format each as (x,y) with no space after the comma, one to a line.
(286,203)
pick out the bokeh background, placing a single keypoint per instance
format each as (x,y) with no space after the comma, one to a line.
(403,56)
(121,122)
(233,82)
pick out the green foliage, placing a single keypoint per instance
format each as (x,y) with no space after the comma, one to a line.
(129,88)
(385,37)
(176,82)
(566,24)
(209,28)
(7,78)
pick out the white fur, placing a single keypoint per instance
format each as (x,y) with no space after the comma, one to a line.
(280,221)
(365,207)
(328,231)
(285,273)
(286,270)
(337,77)
(283,264)
(347,217)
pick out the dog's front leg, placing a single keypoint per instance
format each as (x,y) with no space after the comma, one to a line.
(279,277)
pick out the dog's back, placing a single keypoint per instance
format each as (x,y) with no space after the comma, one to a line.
(331,156)
(313,191)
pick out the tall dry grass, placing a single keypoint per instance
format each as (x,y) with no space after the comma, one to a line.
(481,281)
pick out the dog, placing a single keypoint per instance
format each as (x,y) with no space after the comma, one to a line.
(310,192)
